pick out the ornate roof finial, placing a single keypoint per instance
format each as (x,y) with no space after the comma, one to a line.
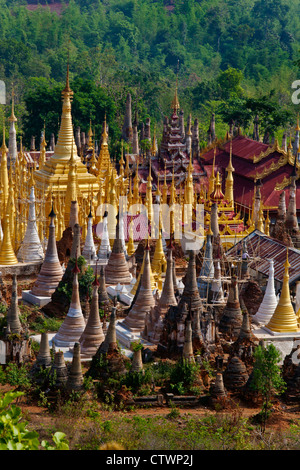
(12,116)
(175,103)
(67,90)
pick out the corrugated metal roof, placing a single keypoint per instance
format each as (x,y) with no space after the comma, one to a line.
(262,248)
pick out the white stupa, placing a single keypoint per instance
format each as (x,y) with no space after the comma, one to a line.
(31,249)
(89,249)
(269,302)
(104,248)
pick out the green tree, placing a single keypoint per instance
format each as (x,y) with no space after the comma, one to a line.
(267,379)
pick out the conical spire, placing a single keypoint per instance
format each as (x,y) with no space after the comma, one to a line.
(4,172)
(284,319)
(175,103)
(7,255)
(12,146)
(43,358)
(103,295)
(217,295)
(75,376)
(158,264)
(110,342)
(187,352)
(190,295)
(13,319)
(229,180)
(137,283)
(144,299)
(92,336)
(72,186)
(167,297)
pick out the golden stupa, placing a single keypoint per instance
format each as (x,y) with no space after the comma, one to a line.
(54,174)
(284,319)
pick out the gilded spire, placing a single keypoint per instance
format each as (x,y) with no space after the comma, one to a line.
(175,103)
(12,117)
(4,171)
(212,177)
(217,194)
(66,140)
(229,179)
(90,137)
(149,194)
(284,318)
(165,188)
(42,159)
(71,192)
(154,147)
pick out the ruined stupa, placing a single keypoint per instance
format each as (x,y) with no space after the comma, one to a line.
(75,376)
(232,318)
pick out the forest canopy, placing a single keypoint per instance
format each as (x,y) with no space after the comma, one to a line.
(227,55)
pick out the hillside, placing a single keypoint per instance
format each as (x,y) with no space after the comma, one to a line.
(141,45)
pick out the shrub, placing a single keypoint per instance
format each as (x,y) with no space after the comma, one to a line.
(183,376)
(15,375)
(14,434)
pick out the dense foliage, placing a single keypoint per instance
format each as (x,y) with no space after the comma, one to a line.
(221,50)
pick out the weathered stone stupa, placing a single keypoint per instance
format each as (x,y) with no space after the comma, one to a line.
(13,319)
(235,375)
(232,318)
(58,370)
(43,358)
(144,301)
(217,390)
(51,271)
(75,376)
(167,297)
(116,270)
(73,326)
(102,292)
(92,336)
(187,353)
